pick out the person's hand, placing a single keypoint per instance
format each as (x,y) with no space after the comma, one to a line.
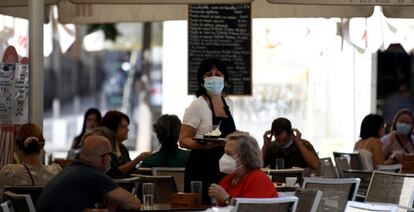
(297,136)
(267,137)
(217,192)
(143,155)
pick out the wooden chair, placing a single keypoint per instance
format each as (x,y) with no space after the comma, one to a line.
(353,158)
(33,191)
(176,172)
(129,184)
(353,206)
(327,169)
(335,192)
(20,202)
(279,175)
(164,186)
(280,204)
(309,199)
(392,188)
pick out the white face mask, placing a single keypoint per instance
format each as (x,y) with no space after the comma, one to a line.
(227,164)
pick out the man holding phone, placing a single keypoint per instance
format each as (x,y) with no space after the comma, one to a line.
(288,145)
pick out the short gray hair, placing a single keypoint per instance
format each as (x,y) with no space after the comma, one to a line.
(248,149)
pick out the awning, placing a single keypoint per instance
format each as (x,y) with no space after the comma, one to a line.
(97,11)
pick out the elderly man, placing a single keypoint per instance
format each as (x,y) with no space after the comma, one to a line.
(288,145)
(84,183)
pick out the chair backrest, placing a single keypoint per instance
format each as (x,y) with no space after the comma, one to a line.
(176,172)
(354,159)
(342,164)
(364,176)
(33,191)
(129,183)
(6,206)
(327,168)
(396,168)
(335,192)
(143,171)
(308,199)
(20,202)
(279,175)
(353,206)
(392,188)
(164,186)
(280,204)
(7,133)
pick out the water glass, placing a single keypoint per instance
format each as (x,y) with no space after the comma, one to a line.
(213,202)
(280,163)
(196,186)
(148,195)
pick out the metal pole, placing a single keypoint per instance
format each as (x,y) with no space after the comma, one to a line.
(36,19)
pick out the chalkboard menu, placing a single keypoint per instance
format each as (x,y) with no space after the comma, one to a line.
(222,31)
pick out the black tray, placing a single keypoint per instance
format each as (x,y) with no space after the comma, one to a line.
(204,140)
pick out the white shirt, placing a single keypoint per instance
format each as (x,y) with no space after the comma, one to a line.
(200,117)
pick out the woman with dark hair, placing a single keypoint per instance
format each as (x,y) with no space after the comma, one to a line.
(29,143)
(369,146)
(211,107)
(121,164)
(167,128)
(400,140)
(242,161)
(91,120)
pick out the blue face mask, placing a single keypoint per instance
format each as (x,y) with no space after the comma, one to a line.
(214,85)
(403,128)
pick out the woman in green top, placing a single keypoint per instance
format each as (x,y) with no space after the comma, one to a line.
(167,128)
(121,164)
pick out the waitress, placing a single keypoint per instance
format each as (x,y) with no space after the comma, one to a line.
(211,107)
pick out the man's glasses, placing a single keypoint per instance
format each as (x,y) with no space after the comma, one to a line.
(105,154)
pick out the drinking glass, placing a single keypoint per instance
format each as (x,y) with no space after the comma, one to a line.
(280,163)
(148,195)
(196,186)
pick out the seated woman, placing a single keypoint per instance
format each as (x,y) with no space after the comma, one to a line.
(29,144)
(369,146)
(400,140)
(167,127)
(242,162)
(91,120)
(121,164)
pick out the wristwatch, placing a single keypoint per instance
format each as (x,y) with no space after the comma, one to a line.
(228,201)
